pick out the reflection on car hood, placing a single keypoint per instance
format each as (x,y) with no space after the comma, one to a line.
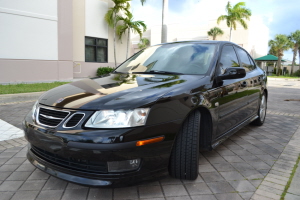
(116,91)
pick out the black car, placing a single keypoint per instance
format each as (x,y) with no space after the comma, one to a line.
(149,117)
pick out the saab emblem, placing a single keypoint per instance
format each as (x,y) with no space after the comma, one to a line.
(60,100)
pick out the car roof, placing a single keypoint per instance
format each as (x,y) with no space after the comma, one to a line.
(200,41)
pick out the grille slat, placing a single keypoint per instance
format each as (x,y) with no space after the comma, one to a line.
(51,118)
(74,120)
(71,163)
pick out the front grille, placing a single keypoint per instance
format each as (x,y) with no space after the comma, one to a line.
(71,163)
(74,120)
(51,117)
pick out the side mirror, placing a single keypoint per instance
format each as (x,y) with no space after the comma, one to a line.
(233,73)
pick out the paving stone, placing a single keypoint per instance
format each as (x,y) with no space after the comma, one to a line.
(18,176)
(250,159)
(16,161)
(246,195)
(251,174)
(3,160)
(8,168)
(72,186)
(220,187)
(33,185)
(126,193)
(260,165)
(224,167)
(150,192)
(206,168)
(8,186)
(277,181)
(233,159)
(273,185)
(25,195)
(55,184)
(228,196)
(50,194)
(256,183)
(242,166)
(242,186)
(6,195)
(179,198)
(100,193)
(216,160)
(289,196)
(223,152)
(267,194)
(278,177)
(204,197)
(198,188)
(232,175)
(170,181)
(174,190)
(75,194)
(26,167)
(4,175)
(198,180)
(38,174)
(211,177)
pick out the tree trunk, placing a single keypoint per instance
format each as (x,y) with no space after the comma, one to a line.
(115,23)
(214,37)
(230,34)
(279,65)
(164,29)
(128,42)
(294,58)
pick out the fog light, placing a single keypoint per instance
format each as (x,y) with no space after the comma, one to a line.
(123,166)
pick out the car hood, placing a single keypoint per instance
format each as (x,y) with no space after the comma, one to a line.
(115,91)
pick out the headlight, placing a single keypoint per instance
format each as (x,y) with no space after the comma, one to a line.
(33,110)
(118,118)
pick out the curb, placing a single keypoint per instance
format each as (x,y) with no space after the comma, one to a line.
(285,79)
(19,98)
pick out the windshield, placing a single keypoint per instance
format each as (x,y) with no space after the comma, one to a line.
(178,58)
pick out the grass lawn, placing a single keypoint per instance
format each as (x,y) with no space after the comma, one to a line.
(292,77)
(24,88)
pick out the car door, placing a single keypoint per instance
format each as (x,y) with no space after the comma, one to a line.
(254,80)
(232,94)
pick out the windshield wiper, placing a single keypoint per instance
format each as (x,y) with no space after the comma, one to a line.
(116,72)
(156,72)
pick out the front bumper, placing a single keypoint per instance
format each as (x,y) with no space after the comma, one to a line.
(70,156)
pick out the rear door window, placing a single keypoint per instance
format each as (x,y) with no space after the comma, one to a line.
(228,59)
(244,59)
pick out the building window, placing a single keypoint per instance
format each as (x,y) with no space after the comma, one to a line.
(95,50)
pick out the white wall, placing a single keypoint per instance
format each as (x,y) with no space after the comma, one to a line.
(95,25)
(28,29)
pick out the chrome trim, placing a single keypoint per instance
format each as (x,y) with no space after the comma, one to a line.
(38,114)
(64,125)
(50,117)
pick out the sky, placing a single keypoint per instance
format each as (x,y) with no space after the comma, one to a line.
(280,16)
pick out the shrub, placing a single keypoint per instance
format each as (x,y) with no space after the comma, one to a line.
(275,70)
(104,70)
(297,73)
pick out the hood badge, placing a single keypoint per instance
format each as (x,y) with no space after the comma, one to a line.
(60,100)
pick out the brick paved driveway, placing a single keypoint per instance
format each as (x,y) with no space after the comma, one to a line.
(232,171)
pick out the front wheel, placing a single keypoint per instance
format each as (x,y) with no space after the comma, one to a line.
(261,111)
(184,158)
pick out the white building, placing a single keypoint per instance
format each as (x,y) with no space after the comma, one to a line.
(45,40)
(254,39)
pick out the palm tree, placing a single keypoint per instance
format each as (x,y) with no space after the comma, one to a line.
(295,38)
(280,44)
(164,23)
(235,14)
(130,25)
(214,32)
(111,18)
(144,43)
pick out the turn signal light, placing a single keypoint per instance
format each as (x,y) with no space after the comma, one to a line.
(149,141)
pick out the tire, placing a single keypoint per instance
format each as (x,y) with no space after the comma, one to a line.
(261,111)
(184,158)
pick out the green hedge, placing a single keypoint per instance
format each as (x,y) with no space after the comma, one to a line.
(104,70)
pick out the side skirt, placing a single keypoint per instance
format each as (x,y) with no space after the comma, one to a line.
(229,133)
